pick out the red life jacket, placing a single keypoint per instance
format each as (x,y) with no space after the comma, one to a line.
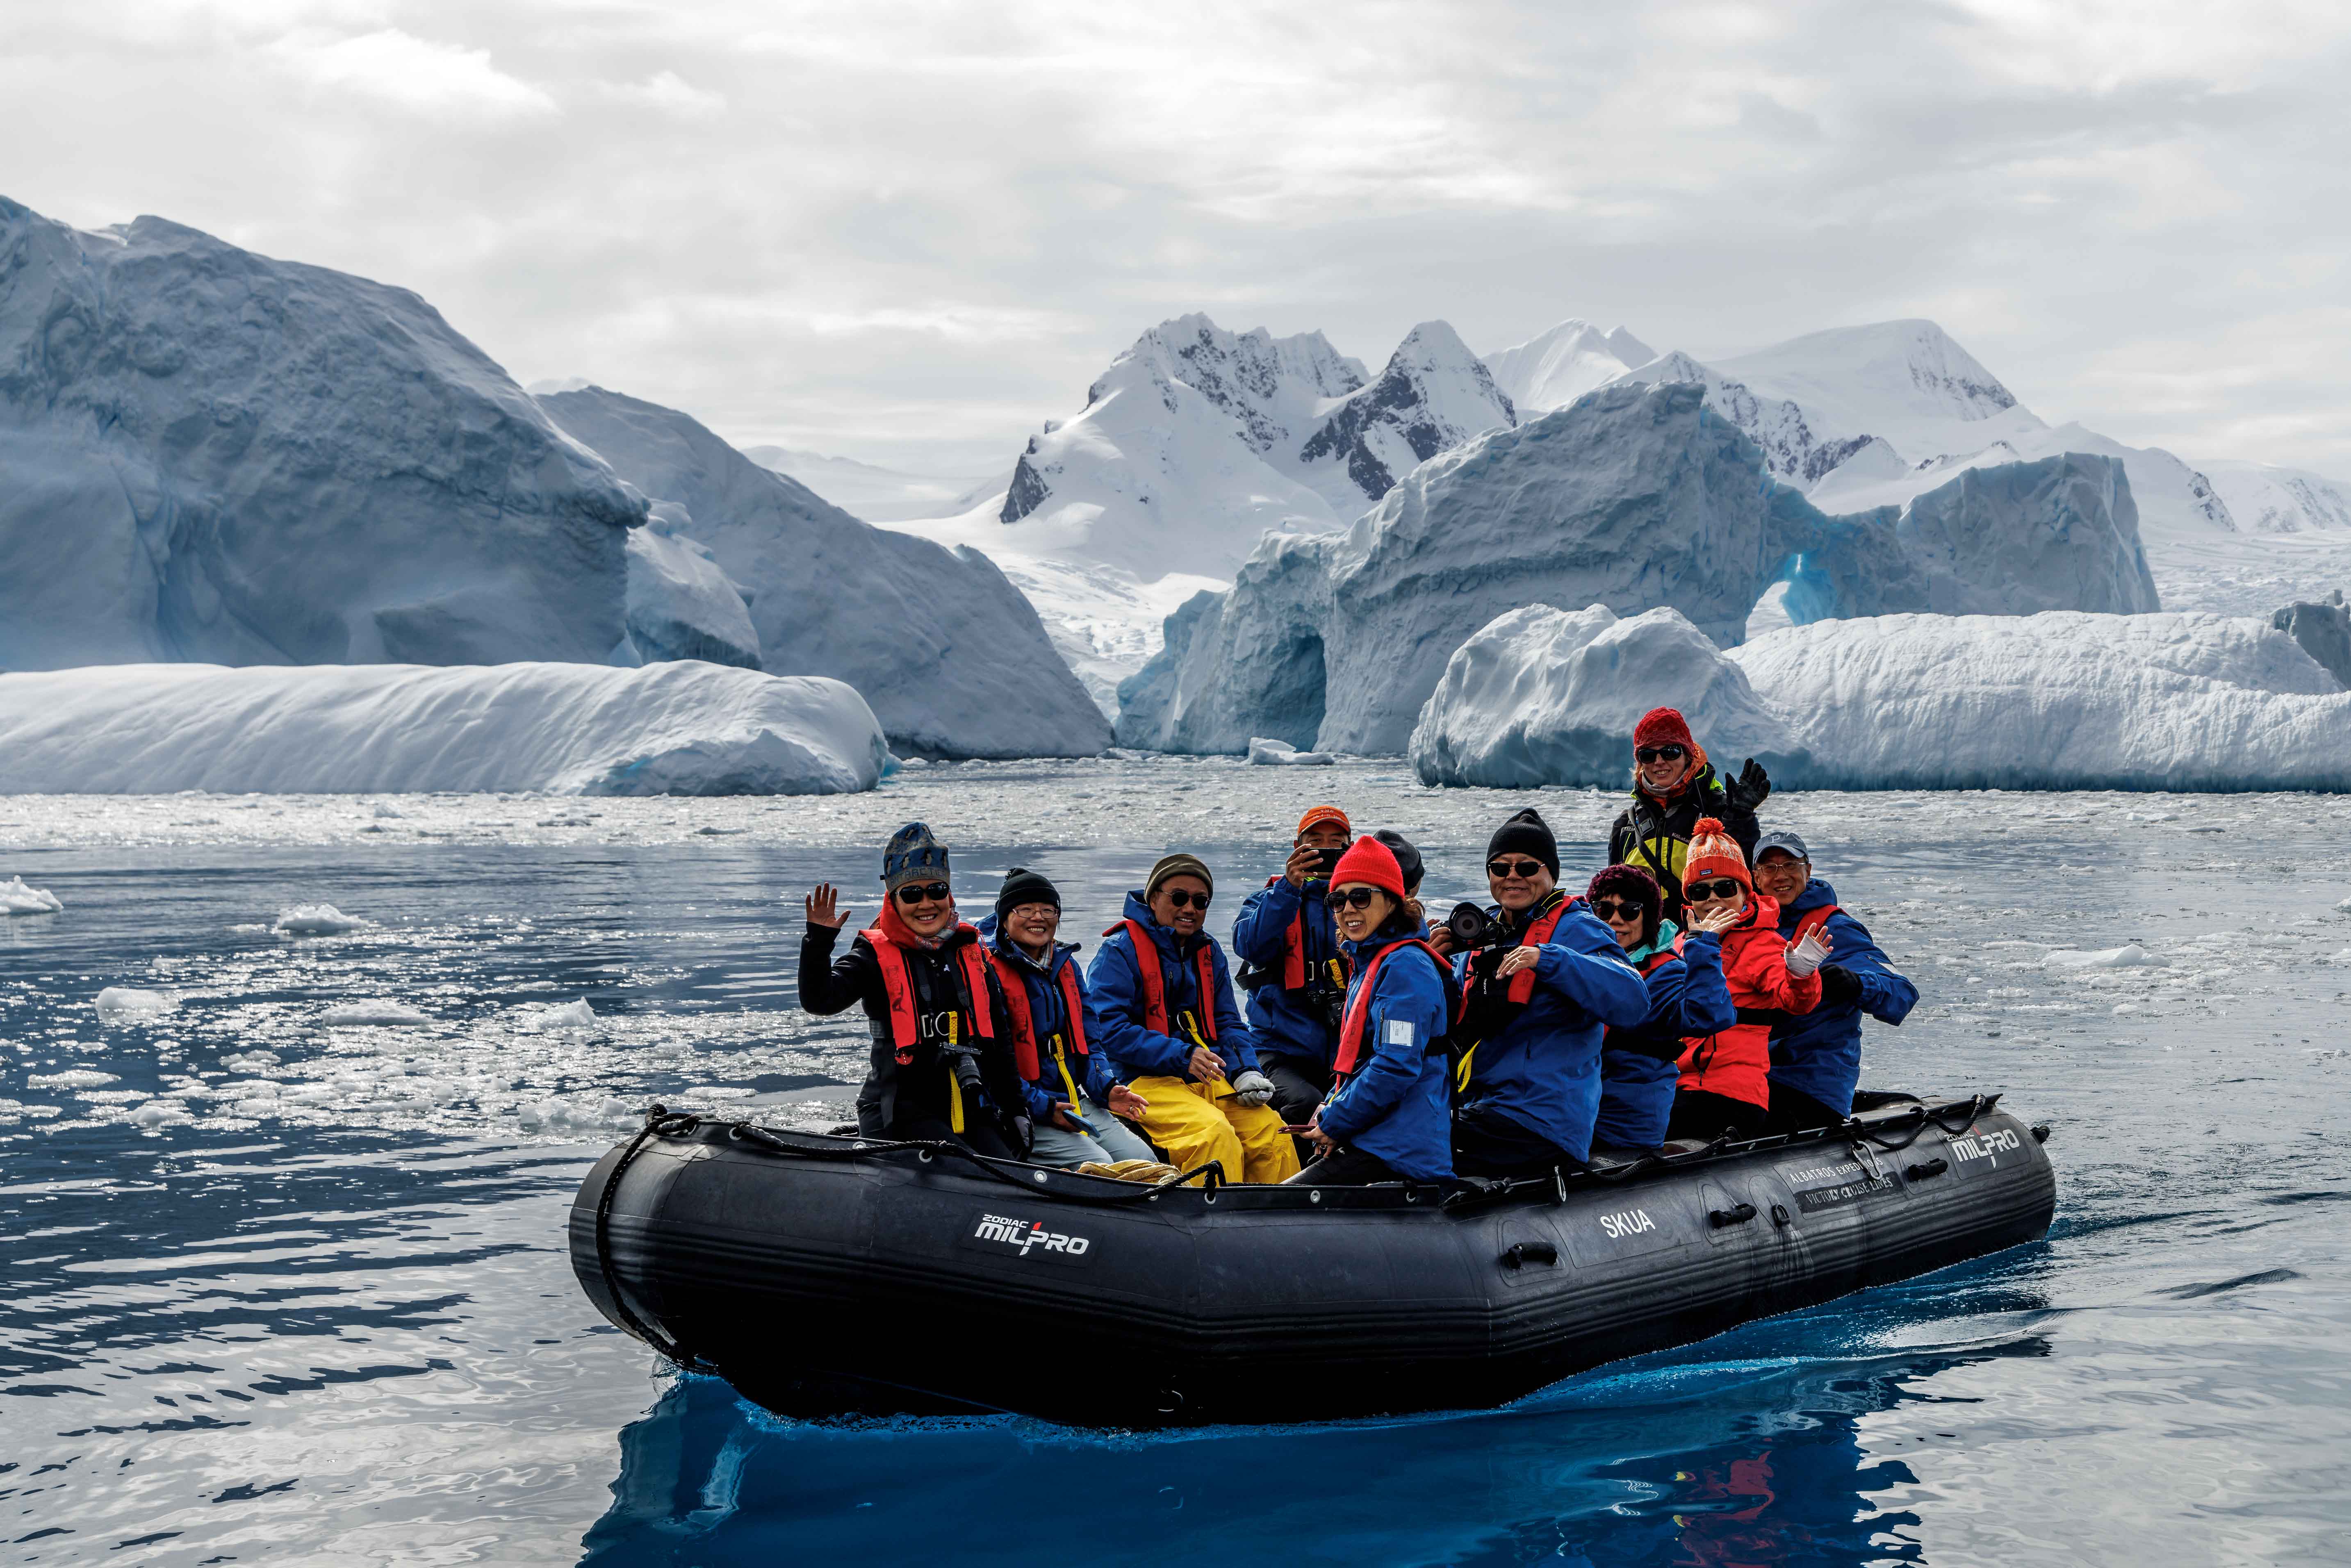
(1025,1052)
(1812,920)
(1737,1062)
(1350,1026)
(1522,984)
(898,986)
(1154,984)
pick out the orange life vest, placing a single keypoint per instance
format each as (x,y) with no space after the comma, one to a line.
(898,986)
(1154,984)
(1350,1026)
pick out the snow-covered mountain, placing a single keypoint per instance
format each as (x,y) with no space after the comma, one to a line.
(875,493)
(210,455)
(2263,498)
(1433,395)
(950,654)
(1554,368)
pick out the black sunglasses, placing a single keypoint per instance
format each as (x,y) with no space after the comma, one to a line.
(928,893)
(1354,897)
(1513,868)
(1723,887)
(1659,753)
(1182,900)
(1617,909)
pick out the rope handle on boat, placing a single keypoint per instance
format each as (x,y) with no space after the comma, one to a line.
(659,1122)
(1975,1106)
(928,1150)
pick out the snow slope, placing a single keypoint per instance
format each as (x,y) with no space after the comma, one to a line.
(2263,498)
(949,654)
(685,729)
(1540,696)
(1554,368)
(867,490)
(209,455)
(1634,497)
(2057,701)
(1433,395)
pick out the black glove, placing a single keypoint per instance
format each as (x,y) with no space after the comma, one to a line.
(1750,789)
(1839,985)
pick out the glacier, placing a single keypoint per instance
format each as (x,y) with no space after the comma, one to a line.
(1636,496)
(681,728)
(210,455)
(948,653)
(2060,700)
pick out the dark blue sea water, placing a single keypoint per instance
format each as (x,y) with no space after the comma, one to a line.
(283,1288)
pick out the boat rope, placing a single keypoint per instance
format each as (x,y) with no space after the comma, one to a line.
(658,1123)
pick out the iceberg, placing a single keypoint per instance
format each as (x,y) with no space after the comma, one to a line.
(16,898)
(2062,700)
(208,454)
(681,604)
(1268,753)
(1550,697)
(682,729)
(949,655)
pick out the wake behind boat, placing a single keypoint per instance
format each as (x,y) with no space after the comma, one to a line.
(826,1275)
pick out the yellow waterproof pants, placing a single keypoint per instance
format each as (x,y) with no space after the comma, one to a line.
(1197,1123)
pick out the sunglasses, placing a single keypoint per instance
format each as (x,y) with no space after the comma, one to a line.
(928,893)
(1513,868)
(1616,909)
(1723,887)
(1659,753)
(1182,900)
(1354,897)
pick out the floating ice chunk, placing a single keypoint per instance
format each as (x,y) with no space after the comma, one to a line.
(2345,906)
(73,1078)
(566,1015)
(159,1114)
(1270,753)
(15,898)
(315,920)
(129,1004)
(2104,958)
(616,1109)
(390,1014)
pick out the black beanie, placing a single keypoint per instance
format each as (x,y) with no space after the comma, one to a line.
(1527,834)
(1021,887)
(1407,858)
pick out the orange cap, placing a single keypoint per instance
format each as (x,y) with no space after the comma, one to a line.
(1317,816)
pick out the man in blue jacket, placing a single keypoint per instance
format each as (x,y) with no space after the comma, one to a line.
(1162,1005)
(1074,1096)
(1538,1002)
(1291,966)
(1816,1059)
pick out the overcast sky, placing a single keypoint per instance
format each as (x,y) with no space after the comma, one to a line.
(908,233)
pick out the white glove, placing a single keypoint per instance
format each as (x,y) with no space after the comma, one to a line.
(1804,955)
(1252,1089)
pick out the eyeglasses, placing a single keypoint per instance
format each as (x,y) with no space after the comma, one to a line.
(1354,897)
(928,893)
(1617,909)
(1723,887)
(1513,868)
(1658,753)
(1182,900)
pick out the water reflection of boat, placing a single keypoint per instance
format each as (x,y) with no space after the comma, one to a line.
(826,1275)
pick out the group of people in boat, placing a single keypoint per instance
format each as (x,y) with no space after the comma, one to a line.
(1704,984)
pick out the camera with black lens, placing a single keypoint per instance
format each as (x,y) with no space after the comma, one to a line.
(964,1062)
(1473,928)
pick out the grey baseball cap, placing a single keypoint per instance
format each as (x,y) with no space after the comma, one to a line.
(1785,841)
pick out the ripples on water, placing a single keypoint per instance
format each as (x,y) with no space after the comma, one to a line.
(285,1290)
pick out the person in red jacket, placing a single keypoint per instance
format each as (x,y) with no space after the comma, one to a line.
(1725,1082)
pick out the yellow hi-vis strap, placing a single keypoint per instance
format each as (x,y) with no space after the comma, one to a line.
(1338,973)
(1061,1060)
(955,1085)
(1467,1056)
(1190,1026)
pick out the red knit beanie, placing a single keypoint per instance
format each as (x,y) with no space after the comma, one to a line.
(1713,852)
(1369,861)
(1663,727)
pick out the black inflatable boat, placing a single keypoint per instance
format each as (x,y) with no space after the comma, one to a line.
(830,1275)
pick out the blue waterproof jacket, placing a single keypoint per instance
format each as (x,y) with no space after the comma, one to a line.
(1048,1011)
(1396,1105)
(1639,1067)
(1542,1069)
(1285,1022)
(1819,1053)
(1114,990)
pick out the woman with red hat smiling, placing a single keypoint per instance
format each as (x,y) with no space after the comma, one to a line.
(1389,1117)
(1725,1085)
(1673,786)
